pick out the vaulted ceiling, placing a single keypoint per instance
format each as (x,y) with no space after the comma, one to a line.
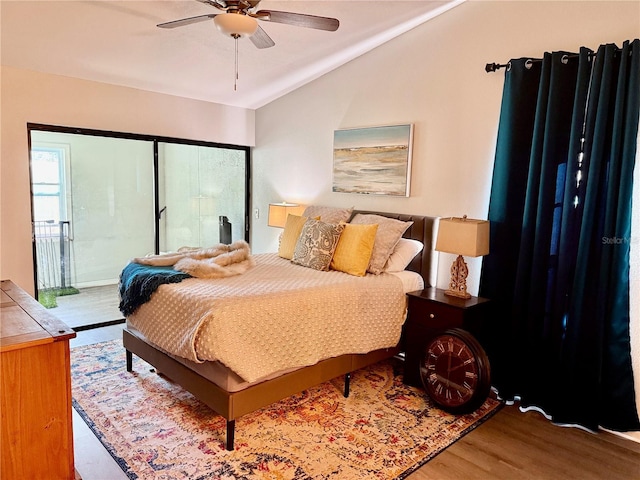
(117,42)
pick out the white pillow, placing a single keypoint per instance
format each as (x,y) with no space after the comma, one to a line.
(405,250)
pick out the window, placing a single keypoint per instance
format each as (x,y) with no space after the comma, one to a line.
(50,200)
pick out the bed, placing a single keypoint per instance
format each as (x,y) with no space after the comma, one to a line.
(232,394)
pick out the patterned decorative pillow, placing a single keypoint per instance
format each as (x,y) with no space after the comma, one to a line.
(316,244)
(328,214)
(389,232)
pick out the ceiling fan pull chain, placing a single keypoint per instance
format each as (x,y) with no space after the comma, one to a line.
(235,80)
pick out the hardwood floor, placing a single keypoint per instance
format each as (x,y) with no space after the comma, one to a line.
(510,446)
(520,446)
(92,306)
(92,461)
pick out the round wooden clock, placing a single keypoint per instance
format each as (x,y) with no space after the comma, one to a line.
(455,371)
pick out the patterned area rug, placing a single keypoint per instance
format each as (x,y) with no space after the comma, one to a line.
(156,430)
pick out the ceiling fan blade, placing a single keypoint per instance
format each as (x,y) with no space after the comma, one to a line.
(186,21)
(299,20)
(215,3)
(260,39)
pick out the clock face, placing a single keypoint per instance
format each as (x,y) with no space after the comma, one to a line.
(455,371)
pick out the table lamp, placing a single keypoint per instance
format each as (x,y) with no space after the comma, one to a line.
(463,237)
(278,213)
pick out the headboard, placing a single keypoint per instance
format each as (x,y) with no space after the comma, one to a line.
(423,229)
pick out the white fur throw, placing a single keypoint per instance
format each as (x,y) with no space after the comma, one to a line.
(218,261)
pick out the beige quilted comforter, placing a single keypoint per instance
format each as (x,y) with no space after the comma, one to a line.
(275,316)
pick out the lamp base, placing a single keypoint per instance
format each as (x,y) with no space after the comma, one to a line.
(458,282)
(453,293)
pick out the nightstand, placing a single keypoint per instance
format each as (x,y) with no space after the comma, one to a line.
(430,311)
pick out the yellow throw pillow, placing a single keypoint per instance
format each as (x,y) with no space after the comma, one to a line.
(292,228)
(354,249)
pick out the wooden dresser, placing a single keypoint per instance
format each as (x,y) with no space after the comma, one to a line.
(35,403)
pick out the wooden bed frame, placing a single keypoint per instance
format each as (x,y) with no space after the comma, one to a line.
(232,405)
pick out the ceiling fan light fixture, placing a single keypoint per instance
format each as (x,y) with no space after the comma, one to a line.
(235,24)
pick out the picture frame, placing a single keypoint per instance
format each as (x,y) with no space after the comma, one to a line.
(373,160)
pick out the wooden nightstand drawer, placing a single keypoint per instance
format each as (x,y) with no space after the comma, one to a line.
(432,314)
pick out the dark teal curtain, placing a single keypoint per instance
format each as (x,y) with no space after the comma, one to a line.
(560,213)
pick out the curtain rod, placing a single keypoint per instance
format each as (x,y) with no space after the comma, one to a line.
(492,67)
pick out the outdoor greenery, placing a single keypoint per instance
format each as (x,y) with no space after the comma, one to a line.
(47,297)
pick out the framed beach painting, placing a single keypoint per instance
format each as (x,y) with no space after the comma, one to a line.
(373,160)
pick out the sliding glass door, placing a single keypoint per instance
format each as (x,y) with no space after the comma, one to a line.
(102,198)
(202,195)
(93,206)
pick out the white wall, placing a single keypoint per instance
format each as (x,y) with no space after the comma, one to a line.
(432,76)
(41,98)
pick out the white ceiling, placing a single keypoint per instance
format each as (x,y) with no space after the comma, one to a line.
(117,42)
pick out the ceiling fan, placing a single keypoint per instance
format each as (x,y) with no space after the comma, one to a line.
(239,19)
